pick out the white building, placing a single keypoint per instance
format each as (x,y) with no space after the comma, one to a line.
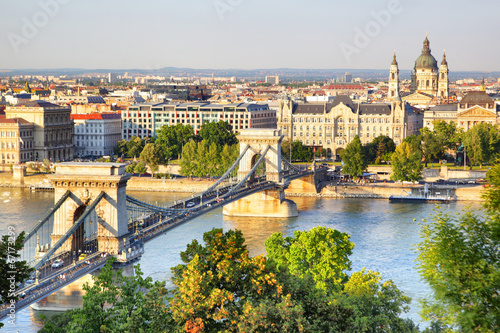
(96,134)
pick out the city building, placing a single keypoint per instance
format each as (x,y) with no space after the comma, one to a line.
(145,120)
(16,140)
(427,80)
(476,107)
(346,78)
(96,134)
(273,79)
(81,99)
(333,125)
(53,129)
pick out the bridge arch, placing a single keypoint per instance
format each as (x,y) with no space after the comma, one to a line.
(257,141)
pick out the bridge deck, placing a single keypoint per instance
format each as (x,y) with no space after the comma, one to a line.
(53,282)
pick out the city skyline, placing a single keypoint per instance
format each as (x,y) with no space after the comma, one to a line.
(238,34)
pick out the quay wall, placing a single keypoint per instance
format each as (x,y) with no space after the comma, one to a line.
(298,188)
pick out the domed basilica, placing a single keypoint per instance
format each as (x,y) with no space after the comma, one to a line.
(427,80)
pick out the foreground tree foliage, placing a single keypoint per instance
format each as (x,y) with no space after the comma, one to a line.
(117,303)
(10,245)
(459,258)
(303,286)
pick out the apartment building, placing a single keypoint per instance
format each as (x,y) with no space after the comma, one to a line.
(96,134)
(16,140)
(53,129)
(145,120)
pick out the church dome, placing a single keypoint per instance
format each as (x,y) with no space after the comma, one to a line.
(426,60)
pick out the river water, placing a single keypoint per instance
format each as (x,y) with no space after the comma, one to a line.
(383,234)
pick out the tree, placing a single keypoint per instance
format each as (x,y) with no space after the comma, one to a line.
(217,281)
(406,165)
(286,148)
(482,143)
(379,149)
(10,245)
(118,303)
(220,133)
(228,155)
(173,138)
(354,160)
(130,168)
(432,147)
(135,146)
(153,155)
(140,168)
(320,253)
(492,195)
(189,161)
(301,152)
(458,257)
(212,160)
(447,134)
(121,148)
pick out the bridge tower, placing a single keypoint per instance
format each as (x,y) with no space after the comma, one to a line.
(86,182)
(258,140)
(267,203)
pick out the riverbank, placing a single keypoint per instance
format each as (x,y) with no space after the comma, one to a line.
(369,191)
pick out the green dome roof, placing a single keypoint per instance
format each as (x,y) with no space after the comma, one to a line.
(426,60)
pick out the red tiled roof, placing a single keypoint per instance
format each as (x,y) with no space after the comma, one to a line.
(96,116)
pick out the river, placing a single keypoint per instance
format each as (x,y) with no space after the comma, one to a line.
(383,234)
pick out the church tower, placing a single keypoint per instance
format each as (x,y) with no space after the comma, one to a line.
(393,79)
(444,90)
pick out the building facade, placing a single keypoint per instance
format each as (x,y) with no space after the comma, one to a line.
(16,140)
(96,134)
(53,129)
(475,108)
(333,126)
(145,120)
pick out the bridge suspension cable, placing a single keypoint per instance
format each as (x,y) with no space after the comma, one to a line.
(51,212)
(244,180)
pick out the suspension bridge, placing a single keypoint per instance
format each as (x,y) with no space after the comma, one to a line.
(93,218)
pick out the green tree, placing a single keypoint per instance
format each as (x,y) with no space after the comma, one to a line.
(212,160)
(121,148)
(320,253)
(118,303)
(130,168)
(286,148)
(173,138)
(140,168)
(217,281)
(153,155)
(492,195)
(458,257)
(432,147)
(10,245)
(482,143)
(301,152)
(220,133)
(135,146)
(189,163)
(447,134)
(354,160)
(406,165)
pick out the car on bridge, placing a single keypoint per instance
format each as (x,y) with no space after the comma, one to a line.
(58,263)
(82,256)
(190,204)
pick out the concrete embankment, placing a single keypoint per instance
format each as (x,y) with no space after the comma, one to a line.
(383,191)
(298,188)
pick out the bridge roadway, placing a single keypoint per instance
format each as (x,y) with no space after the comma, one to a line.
(201,206)
(51,280)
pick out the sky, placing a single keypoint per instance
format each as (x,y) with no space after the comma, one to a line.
(247,34)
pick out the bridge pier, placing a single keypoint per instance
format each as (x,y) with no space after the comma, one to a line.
(267,203)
